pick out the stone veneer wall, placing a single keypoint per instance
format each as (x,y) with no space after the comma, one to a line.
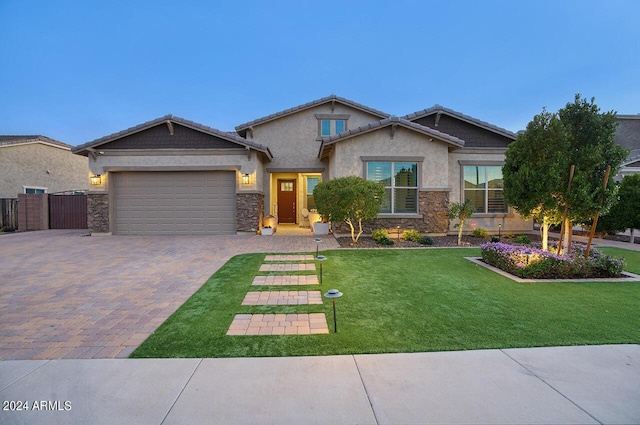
(98,212)
(249,210)
(434,208)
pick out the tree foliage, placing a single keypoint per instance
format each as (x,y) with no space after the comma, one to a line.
(537,166)
(625,213)
(350,199)
(461,212)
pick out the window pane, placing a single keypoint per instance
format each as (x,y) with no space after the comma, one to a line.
(496,202)
(406,201)
(477,198)
(339,126)
(406,174)
(286,187)
(312,182)
(379,172)
(494,177)
(386,204)
(473,177)
(325,128)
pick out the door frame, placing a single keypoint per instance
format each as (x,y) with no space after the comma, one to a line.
(295,199)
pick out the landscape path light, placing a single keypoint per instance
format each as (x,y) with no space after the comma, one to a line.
(499,230)
(528,254)
(318,241)
(321,258)
(333,294)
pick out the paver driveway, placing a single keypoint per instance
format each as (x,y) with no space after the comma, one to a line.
(66,295)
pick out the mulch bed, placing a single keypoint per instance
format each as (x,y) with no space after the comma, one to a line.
(439,242)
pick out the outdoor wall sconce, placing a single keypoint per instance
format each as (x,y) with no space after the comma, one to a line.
(95,180)
(321,258)
(245,178)
(333,294)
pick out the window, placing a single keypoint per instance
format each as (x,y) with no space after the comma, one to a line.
(34,190)
(330,124)
(483,185)
(400,181)
(312,182)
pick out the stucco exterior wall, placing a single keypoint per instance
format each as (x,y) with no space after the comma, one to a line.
(293,140)
(511,222)
(242,161)
(347,156)
(27,165)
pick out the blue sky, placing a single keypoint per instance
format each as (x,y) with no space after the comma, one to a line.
(79,70)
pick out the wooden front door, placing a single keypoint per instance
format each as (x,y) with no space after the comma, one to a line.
(286,201)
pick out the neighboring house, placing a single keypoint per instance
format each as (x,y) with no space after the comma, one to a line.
(628,136)
(173,176)
(38,164)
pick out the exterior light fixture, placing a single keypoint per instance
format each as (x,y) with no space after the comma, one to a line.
(398,229)
(333,294)
(245,178)
(499,230)
(528,254)
(321,258)
(95,180)
(318,241)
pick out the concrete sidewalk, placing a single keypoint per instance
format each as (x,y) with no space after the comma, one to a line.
(562,385)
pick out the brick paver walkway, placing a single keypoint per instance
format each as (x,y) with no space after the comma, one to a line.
(308,279)
(68,296)
(296,267)
(279,324)
(289,257)
(282,298)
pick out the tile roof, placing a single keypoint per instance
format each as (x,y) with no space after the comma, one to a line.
(308,105)
(329,140)
(441,109)
(230,136)
(17,140)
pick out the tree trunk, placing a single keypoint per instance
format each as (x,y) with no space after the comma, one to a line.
(545,233)
(632,237)
(460,232)
(566,242)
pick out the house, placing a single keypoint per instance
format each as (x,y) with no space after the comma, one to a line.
(39,164)
(628,136)
(174,176)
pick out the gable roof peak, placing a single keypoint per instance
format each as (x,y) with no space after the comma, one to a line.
(308,105)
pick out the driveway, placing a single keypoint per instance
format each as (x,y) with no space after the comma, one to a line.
(68,295)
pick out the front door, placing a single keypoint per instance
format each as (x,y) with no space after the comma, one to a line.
(286,201)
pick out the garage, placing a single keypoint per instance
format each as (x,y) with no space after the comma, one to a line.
(174,202)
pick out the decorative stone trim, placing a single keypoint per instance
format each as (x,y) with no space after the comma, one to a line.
(249,209)
(433,217)
(98,212)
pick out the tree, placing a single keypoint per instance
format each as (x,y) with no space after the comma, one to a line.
(591,149)
(349,199)
(625,213)
(532,169)
(461,212)
(537,168)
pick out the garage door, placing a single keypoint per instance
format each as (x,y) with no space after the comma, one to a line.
(175,203)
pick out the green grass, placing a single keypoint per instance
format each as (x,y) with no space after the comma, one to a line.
(632,257)
(406,301)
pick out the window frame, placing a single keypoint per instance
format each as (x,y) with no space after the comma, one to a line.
(393,187)
(35,188)
(332,119)
(485,191)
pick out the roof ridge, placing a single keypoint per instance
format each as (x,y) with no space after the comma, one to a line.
(311,104)
(449,111)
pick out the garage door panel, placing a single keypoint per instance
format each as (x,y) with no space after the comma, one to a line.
(175,202)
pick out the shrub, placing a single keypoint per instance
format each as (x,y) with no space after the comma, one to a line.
(385,241)
(425,240)
(523,240)
(411,235)
(480,233)
(495,239)
(534,263)
(379,234)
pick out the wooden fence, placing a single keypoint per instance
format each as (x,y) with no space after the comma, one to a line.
(8,214)
(68,211)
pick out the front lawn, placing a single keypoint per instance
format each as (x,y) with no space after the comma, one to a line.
(406,301)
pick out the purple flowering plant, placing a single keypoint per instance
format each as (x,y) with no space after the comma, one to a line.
(532,262)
